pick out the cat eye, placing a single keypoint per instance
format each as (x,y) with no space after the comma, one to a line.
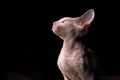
(64,21)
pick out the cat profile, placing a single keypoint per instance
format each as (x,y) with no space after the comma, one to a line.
(75,61)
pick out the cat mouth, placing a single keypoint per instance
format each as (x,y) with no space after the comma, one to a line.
(54,28)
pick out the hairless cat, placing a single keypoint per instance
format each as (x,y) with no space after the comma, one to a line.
(76,61)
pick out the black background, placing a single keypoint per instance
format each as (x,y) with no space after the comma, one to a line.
(35,48)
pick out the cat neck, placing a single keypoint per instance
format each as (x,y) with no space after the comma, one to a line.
(71,44)
(69,40)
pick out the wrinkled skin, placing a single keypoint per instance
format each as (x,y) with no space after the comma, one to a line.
(76,61)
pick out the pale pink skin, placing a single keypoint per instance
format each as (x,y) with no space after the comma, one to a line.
(74,56)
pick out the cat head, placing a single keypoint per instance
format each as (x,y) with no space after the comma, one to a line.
(68,27)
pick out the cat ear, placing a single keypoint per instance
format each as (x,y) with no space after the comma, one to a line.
(85,20)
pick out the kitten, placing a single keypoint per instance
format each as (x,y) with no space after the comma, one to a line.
(76,62)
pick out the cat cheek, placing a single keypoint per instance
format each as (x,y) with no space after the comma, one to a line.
(61,29)
(58,30)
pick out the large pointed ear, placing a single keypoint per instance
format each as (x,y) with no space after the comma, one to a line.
(85,20)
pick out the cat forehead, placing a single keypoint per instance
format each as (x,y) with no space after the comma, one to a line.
(66,18)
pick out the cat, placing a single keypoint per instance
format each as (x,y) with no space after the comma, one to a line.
(75,61)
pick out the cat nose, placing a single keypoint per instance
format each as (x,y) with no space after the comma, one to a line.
(54,23)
